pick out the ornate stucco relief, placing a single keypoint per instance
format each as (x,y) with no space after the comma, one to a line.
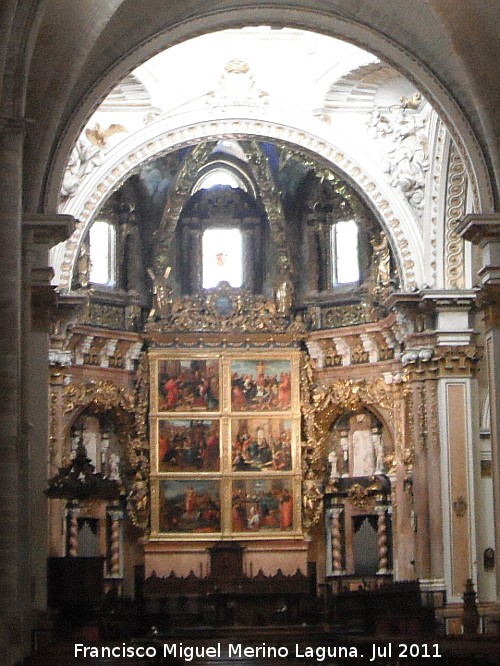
(406,161)
(95,190)
(456,200)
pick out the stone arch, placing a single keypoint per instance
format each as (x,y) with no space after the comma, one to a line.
(164,136)
(308,17)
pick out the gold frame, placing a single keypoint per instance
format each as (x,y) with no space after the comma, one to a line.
(227,419)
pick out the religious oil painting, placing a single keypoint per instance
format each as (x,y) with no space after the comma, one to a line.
(261,444)
(188,385)
(188,445)
(262,505)
(191,507)
(261,385)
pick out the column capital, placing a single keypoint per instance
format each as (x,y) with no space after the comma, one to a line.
(480,229)
(47,228)
(484,231)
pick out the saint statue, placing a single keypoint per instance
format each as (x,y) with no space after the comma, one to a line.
(162,295)
(379,451)
(283,292)
(83,265)
(381,263)
(332,459)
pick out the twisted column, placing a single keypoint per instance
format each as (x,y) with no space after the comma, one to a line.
(116,516)
(73,511)
(336,541)
(382,540)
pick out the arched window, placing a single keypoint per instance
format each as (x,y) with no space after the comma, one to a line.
(102,242)
(219,176)
(220,233)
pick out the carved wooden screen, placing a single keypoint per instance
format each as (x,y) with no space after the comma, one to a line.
(225,442)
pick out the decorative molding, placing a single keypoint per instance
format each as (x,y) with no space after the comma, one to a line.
(225,309)
(450,361)
(456,200)
(130,409)
(120,164)
(406,163)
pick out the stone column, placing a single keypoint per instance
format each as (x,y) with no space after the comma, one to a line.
(484,231)
(453,364)
(14,562)
(39,234)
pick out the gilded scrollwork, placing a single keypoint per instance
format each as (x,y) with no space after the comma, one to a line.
(321,406)
(225,309)
(130,408)
(361,496)
(105,395)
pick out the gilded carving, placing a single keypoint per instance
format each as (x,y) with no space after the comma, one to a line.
(441,362)
(321,406)
(361,496)
(104,396)
(348,315)
(225,309)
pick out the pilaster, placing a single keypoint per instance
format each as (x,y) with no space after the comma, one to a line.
(440,361)
(484,232)
(39,234)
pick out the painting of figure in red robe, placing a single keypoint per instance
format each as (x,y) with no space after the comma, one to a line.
(261,385)
(190,506)
(261,444)
(188,445)
(188,385)
(262,505)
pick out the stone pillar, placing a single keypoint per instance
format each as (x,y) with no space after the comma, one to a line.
(453,364)
(440,360)
(14,547)
(484,231)
(39,234)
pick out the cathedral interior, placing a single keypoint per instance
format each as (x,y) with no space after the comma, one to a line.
(251,320)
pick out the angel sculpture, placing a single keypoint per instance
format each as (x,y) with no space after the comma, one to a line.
(99,136)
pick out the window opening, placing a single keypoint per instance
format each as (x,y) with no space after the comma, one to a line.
(219,177)
(102,253)
(222,257)
(345,257)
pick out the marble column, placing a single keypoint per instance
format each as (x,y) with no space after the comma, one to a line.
(484,232)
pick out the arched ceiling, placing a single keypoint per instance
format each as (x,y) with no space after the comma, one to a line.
(324,95)
(81,48)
